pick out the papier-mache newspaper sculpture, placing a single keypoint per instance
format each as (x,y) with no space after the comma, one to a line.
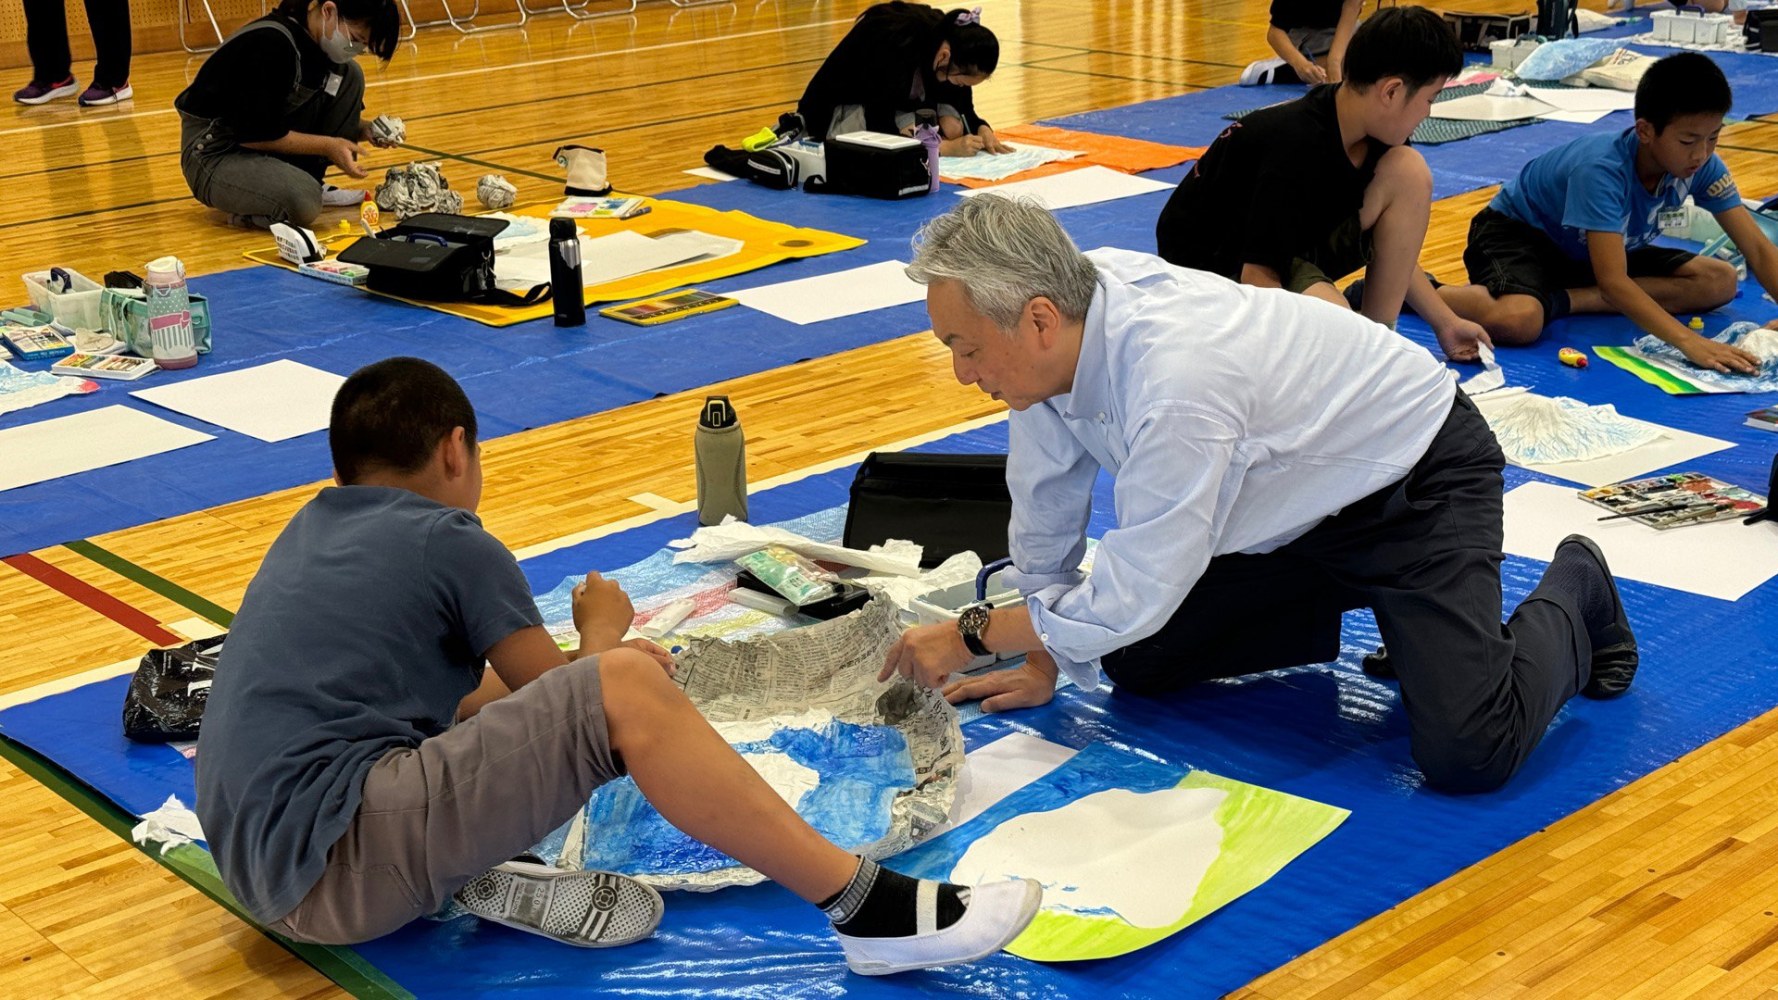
(872,766)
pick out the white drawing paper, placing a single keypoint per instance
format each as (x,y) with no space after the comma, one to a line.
(1137,855)
(602,258)
(1722,559)
(81,442)
(1490,108)
(993,772)
(1086,186)
(1601,99)
(272,402)
(830,296)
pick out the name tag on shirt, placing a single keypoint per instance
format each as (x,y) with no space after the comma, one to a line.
(332,86)
(1673,220)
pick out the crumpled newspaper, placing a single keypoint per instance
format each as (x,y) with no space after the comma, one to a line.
(388,131)
(415,189)
(495,191)
(732,539)
(169,826)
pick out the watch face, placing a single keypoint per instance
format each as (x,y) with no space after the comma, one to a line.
(973,619)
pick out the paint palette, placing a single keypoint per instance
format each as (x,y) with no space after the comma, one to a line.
(1674,500)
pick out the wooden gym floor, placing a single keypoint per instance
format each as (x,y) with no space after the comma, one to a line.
(1664,889)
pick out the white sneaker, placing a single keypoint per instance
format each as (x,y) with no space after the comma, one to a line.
(582,908)
(996,914)
(339,197)
(1261,72)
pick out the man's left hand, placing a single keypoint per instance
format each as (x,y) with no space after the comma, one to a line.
(927,655)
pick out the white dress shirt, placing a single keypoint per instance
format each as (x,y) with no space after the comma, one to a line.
(1233,418)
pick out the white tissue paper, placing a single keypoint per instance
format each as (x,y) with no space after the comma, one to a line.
(169,826)
(732,539)
(1489,378)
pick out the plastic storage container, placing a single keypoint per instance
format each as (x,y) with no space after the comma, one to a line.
(946,604)
(78,307)
(1687,27)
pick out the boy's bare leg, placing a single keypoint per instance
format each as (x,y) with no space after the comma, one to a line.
(704,788)
(1327,292)
(1397,206)
(1701,284)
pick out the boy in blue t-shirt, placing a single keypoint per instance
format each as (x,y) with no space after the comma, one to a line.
(359,766)
(1573,232)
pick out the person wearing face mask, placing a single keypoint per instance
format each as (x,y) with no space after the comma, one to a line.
(277,104)
(901,58)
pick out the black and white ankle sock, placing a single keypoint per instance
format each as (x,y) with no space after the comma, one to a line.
(882,903)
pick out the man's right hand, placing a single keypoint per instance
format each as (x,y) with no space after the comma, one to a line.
(1026,686)
(1716,356)
(602,613)
(344,154)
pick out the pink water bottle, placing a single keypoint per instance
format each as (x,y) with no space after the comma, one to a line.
(169,314)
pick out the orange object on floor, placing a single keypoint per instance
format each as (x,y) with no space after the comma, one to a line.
(1132,156)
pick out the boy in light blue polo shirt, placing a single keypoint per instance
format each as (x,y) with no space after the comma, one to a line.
(1573,232)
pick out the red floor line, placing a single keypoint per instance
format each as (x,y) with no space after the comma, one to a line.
(94,598)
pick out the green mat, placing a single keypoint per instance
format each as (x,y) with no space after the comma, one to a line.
(193,864)
(1436,131)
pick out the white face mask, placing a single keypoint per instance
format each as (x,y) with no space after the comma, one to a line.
(337,44)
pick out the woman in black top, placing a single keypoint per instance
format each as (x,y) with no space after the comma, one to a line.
(277,103)
(900,58)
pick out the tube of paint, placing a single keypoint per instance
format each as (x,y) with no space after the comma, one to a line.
(768,603)
(667,618)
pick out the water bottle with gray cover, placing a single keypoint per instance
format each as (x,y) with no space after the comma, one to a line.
(720,451)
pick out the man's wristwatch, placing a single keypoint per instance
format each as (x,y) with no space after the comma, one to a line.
(972,622)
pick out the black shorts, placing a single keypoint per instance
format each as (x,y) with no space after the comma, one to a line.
(1510,257)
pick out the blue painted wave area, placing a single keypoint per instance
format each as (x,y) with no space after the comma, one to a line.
(862,769)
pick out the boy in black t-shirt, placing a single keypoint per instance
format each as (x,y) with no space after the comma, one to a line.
(1301,194)
(1310,37)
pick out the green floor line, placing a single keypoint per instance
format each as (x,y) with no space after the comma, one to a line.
(345,967)
(158,584)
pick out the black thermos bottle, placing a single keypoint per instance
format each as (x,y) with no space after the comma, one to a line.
(564,273)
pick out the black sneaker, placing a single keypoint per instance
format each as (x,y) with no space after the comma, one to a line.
(1615,656)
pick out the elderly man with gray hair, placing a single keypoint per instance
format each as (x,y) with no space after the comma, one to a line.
(1277,461)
